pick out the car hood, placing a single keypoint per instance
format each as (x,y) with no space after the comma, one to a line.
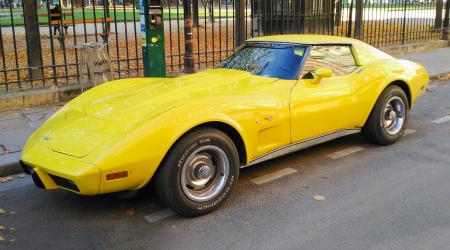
(132,100)
(112,108)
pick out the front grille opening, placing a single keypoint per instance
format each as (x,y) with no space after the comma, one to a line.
(26,168)
(65,183)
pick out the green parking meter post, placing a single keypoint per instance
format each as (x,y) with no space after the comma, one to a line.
(152,31)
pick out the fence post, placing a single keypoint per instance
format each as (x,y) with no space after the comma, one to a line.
(240,22)
(350,20)
(107,25)
(211,10)
(405,5)
(33,40)
(188,38)
(359,18)
(338,16)
(446,21)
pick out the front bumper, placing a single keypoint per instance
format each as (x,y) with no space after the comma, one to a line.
(52,170)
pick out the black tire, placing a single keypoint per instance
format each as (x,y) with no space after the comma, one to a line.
(374,129)
(169,178)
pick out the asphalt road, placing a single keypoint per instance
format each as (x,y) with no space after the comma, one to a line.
(393,197)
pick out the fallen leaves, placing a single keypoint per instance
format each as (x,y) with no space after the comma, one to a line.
(2,211)
(2,227)
(319,198)
(5,179)
(131,211)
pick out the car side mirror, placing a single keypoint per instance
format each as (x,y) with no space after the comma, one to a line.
(322,73)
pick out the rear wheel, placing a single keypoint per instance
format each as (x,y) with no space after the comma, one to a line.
(389,117)
(199,172)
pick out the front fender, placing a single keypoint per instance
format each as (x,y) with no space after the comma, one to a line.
(141,151)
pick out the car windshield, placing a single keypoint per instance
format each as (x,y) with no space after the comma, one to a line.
(272,60)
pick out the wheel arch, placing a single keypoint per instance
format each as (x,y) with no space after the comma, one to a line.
(405,87)
(229,130)
(226,128)
(392,82)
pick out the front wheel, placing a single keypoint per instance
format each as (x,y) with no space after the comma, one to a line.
(199,172)
(389,117)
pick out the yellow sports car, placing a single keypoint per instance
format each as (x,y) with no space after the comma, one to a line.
(190,135)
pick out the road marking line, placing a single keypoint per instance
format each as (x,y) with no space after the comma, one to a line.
(442,119)
(159,215)
(409,131)
(273,176)
(344,152)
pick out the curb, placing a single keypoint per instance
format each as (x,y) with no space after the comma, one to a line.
(440,76)
(9,164)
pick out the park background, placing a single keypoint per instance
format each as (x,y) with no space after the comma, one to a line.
(35,57)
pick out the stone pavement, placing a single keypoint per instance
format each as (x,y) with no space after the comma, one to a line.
(16,126)
(437,62)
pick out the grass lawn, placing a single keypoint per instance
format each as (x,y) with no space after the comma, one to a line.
(119,14)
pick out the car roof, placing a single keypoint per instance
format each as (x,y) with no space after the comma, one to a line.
(365,53)
(305,39)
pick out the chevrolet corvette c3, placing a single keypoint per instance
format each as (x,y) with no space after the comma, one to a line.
(190,135)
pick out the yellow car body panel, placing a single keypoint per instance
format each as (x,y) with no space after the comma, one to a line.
(130,125)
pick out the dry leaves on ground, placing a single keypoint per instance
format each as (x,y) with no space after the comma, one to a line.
(318,198)
(2,227)
(5,179)
(131,211)
(2,211)
(275,192)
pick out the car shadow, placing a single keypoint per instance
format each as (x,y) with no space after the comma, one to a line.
(146,201)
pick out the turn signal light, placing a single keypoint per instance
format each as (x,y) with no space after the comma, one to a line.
(117,175)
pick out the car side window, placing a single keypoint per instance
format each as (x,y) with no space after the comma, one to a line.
(338,58)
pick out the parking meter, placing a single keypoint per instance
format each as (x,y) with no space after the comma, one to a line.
(152,31)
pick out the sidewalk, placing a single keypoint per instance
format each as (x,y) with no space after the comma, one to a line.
(16,126)
(437,62)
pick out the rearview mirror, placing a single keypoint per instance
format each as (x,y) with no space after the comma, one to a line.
(322,73)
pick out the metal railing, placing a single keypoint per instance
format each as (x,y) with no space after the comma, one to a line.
(34,55)
(38,44)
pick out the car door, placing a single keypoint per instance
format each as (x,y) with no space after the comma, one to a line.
(320,107)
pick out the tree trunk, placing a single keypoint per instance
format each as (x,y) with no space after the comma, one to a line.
(438,19)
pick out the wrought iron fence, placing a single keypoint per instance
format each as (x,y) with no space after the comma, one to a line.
(38,42)
(38,49)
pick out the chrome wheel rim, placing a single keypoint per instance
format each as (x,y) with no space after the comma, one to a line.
(394,115)
(205,173)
